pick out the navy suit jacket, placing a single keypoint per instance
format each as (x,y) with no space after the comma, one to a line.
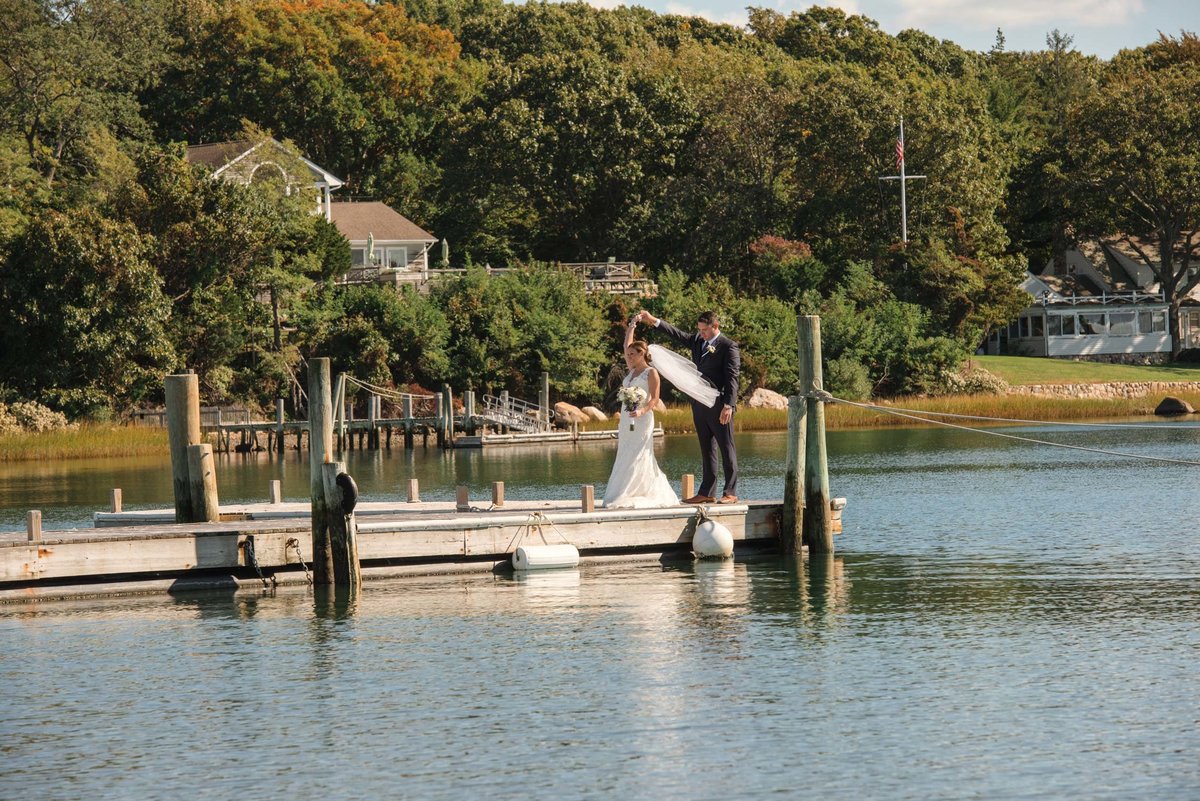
(719,361)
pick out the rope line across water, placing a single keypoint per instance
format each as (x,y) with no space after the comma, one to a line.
(913,414)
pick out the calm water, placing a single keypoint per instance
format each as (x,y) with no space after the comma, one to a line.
(1002,621)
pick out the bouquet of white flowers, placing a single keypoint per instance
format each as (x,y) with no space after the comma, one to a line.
(631,398)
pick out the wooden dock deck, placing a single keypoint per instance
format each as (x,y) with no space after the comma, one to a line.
(142,551)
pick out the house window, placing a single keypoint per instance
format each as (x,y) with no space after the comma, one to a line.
(1012,330)
(1061,325)
(1037,326)
(1120,324)
(1092,324)
(1024,328)
(395,257)
(358,257)
(1152,322)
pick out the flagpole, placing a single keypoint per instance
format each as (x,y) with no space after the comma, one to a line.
(903,193)
(903,178)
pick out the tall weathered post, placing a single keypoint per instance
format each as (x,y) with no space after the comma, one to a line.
(340,497)
(183,429)
(818,523)
(544,400)
(791,531)
(320,452)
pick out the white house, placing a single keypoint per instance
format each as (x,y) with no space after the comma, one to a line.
(1101,303)
(245,162)
(384,244)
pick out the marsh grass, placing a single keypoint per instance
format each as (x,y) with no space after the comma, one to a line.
(106,441)
(85,442)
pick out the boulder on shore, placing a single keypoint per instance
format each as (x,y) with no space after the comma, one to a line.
(565,414)
(1171,405)
(594,413)
(763,398)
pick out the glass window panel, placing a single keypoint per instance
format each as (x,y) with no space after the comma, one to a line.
(1069,329)
(358,257)
(1152,322)
(1120,324)
(1036,326)
(1024,327)
(1054,325)
(1091,324)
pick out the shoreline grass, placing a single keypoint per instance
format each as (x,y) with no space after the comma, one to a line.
(95,441)
(89,441)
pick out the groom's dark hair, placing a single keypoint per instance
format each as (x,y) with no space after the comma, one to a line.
(709,318)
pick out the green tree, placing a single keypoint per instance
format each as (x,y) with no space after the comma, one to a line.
(70,68)
(362,89)
(561,157)
(506,330)
(1138,169)
(86,326)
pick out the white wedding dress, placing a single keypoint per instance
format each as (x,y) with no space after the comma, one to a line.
(636,481)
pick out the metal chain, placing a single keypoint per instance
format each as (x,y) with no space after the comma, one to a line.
(252,559)
(295,543)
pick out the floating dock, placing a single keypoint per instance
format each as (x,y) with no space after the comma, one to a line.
(263,544)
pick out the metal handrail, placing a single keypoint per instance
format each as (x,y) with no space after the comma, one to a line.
(515,413)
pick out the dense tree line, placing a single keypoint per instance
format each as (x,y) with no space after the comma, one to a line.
(741,166)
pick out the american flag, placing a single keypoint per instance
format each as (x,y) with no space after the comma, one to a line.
(899,153)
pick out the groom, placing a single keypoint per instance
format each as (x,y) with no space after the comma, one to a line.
(719,361)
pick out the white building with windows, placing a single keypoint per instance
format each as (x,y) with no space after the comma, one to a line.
(1100,304)
(385,246)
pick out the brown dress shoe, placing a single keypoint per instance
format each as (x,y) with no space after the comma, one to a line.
(700,499)
(728,499)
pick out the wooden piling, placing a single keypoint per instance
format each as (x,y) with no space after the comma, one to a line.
(687,485)
(33,525)
(792,522)
(448,423)
(406,411)
(498,494)
(183,429)
(818,528)
(343,531)
(469,412)
(339,408)
(462,499)
(320,452)
(115,505)
(587,498)
(279,425)
(202,484)
(544,399)
(414,491)
(440,418)
(275,491)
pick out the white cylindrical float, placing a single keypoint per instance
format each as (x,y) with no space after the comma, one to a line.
(545,557)
(712,540)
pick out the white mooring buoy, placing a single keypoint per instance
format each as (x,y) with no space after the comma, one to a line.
(712,540)
(545,557)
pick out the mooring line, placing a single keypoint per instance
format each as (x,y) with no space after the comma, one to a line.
(827,398)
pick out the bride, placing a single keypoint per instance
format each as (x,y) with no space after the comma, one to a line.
(636,482)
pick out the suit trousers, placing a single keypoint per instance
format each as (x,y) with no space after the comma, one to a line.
(715,439)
